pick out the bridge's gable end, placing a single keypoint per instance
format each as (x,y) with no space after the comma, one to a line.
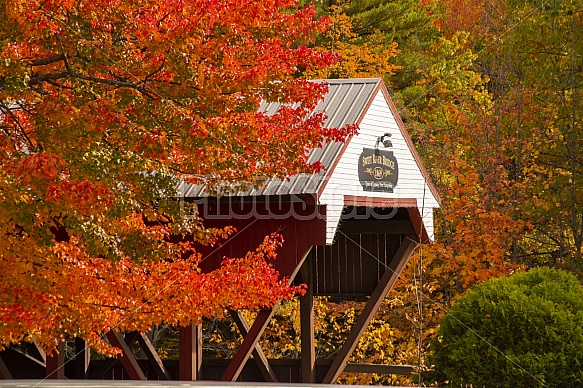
(365,102)
(343,186)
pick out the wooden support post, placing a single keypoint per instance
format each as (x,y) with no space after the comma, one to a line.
(190,352)
(384,286)
(258,355)
(127,359)
(381,369)
(82,358)
(4,371)
(244,351)
(308,349)
(153,356)
(55,363)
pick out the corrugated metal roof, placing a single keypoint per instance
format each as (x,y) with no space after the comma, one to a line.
(344,104)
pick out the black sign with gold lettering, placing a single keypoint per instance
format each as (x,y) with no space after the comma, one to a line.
(378,170)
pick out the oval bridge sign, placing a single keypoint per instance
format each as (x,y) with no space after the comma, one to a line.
(378,170)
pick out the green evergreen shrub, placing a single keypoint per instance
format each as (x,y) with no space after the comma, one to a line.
(521,331)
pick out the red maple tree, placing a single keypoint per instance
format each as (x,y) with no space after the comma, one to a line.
(104,107)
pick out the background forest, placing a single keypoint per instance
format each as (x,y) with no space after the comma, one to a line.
(491,92)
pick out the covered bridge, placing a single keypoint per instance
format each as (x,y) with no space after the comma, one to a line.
(348,232)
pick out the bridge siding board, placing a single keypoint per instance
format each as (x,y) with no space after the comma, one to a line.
(354,264)
(299,235)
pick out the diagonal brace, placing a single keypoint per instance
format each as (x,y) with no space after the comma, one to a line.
(153,356)
(258,355)
(238,362)
(127,359)
(4,371)
(244,351)
(381,290)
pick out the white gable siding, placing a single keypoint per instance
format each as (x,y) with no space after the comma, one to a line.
(411,183)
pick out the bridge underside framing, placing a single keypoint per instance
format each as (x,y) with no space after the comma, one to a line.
(365,260)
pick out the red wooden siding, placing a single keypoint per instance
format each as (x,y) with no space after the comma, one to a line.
(301,225)
(353,265)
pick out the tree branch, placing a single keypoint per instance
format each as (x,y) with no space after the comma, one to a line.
(48,60)
(38,80)
(7,110)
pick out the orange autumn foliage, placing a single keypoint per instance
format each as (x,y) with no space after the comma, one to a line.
(104,107)
(359,58)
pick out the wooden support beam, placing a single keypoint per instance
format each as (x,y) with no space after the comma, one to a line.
(4,371)
(244,351)
(29,358)
(381,369)
(190,352)
(153,356)
(127,359)
(308,348)
(55,363)
(82,358)
(384,286)
(262,363)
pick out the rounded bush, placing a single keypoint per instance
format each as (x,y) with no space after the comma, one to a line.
(521,331)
